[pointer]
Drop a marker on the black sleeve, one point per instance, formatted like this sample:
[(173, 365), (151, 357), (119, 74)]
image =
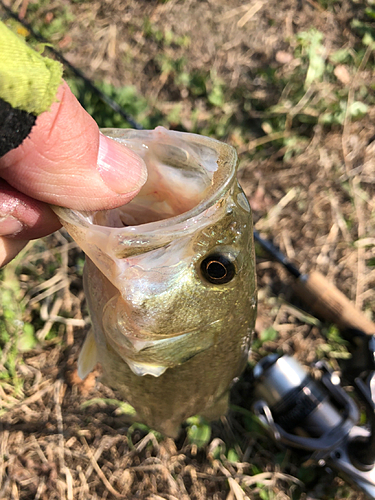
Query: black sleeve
[(15, 126)]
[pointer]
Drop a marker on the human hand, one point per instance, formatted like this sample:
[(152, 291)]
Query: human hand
[(65, 161)]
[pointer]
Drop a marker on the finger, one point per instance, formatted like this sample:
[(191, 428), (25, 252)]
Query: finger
[(21, 219), (66, 162), (9, 248)]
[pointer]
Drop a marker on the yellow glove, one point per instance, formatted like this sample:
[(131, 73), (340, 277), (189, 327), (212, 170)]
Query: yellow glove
[(28, 87)]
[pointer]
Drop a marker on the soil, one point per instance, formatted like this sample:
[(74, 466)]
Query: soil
[(317, 205)]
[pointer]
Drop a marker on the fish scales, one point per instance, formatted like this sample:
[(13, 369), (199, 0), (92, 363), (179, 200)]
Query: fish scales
[(170, 280)]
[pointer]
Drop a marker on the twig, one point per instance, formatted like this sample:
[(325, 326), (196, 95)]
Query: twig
[(23, 9), (295, 110), (361, 266), (162, 468), (235, 488), (316, 5), (40, 490), (44, 314), (70, 321), (233, 12), (15, 495), (58, 395), (275, 211), (48, 283), (330, 244), (37, 395), (41, 255), (39, 450), (62, 284), (365, 242), (249, 14), (84, 488), (98, 470), (96, 457), (143, 442), (340, 221), (69, 483), (268, 138), (288, 244), (268, 476), (58, 389), (3, 450)]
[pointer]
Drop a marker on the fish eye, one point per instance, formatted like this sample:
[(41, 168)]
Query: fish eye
[(218, 268)]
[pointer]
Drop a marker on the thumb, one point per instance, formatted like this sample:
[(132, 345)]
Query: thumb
[(66, 161)]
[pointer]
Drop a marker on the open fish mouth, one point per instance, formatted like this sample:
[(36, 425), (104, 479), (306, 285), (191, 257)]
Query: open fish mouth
[(184, 179)]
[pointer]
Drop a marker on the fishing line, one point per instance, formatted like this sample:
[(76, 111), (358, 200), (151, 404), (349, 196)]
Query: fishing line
[(104, 97)]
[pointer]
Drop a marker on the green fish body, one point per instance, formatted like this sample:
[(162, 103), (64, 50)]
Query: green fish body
[(170, 280)]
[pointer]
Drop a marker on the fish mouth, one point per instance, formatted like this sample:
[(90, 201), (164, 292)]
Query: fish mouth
[(190, 180), (153, 369), (160, 209), (141, 342)]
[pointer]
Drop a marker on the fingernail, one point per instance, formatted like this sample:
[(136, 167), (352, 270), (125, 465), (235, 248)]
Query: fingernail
[(120, 168), (10, 226)]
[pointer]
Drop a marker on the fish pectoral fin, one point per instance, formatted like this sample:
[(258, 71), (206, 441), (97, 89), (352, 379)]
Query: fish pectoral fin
[(88, 356), (142, 369)]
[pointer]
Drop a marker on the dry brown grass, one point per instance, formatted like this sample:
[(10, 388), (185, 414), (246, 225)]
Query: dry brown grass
[(318, 205)]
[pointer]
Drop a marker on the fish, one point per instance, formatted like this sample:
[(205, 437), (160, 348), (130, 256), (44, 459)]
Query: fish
[(170, 280)]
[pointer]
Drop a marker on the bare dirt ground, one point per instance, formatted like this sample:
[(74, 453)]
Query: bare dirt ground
[(314, 195)]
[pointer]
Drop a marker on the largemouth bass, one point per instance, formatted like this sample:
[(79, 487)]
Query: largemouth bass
[(170, 280)]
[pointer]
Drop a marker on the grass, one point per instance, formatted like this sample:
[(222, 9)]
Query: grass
[(17, 335), (288, 118)]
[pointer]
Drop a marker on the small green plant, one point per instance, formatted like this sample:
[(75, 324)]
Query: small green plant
[(267, 335), (198, 431), (126, 97), (164, 37), (55, 22), (336, 346), (16, 334), (123, 408), (312, 49)]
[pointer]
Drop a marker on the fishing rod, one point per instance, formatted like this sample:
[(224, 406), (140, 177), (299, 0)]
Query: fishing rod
[(326, 300)]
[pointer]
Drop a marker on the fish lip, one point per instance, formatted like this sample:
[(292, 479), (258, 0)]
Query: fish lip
[(147, 340)]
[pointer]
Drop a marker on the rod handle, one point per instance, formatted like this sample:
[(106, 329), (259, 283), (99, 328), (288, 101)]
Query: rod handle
[(330, 304)]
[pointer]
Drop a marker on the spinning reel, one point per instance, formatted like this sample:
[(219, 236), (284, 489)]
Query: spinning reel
[(318, 416)]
